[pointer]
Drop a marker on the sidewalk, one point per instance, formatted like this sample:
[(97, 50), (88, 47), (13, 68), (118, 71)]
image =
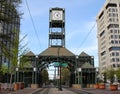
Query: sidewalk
[(101, 91), (23, 91)]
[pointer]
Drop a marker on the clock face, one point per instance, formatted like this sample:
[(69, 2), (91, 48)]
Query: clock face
[(57, 15)]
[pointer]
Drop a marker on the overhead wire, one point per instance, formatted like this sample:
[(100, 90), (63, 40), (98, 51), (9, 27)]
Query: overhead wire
[(33, 22), (87, 35)]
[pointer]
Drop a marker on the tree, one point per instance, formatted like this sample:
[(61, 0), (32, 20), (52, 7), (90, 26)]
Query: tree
[(65, 75), (45, 76), (110, 75), (118, 73)]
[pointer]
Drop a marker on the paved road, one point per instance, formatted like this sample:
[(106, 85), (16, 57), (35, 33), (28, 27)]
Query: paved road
[(53, 90), (64, 91)]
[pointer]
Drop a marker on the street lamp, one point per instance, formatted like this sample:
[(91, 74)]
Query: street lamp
[(34, 69), (60, 87), (75, 69), (96, 80), (80, 70), (17, 74)]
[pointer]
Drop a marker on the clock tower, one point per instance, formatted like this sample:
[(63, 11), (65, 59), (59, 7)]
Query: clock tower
[(57, 27)]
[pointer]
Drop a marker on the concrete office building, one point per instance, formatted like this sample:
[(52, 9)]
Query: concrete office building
[(108, 33)]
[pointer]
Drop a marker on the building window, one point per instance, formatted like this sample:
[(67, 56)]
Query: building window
[(111, 36), (116, 42), (113, 65), (117, 54), (102, 33), (114, 48), (103, 53), (113, 54), (112, 42), (113, 10), (115, 36), (115, 31), (111, 31), (117, 60), (113, 59), (113, 26)]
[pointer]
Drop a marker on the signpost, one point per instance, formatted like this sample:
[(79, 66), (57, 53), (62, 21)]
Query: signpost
[(60, 64)]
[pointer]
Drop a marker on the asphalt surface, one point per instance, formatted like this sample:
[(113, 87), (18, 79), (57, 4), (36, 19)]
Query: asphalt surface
[(53, 90)]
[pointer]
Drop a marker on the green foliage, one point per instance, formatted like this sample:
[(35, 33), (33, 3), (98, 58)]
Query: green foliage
[(65, 75), (4, 69), (110, 73), (45, 76), (118, 73)]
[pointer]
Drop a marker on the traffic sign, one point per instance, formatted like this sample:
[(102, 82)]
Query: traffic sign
[(58, 64), (64, 65)]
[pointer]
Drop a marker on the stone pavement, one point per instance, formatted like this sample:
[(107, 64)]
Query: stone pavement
[(23, 91)]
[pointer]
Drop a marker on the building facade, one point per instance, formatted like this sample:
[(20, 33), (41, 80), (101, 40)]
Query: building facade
[(108, 33), (9, 29)]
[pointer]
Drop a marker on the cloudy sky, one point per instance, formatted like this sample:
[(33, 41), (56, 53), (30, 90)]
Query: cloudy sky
[(81, 30)]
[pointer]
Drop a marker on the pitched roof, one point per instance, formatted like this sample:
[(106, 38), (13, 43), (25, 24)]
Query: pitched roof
[(30, 53), (87, 65), (83, 54), (54, 51)]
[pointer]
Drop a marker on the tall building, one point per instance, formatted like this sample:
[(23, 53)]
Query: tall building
[(9, 28), (108, 33)]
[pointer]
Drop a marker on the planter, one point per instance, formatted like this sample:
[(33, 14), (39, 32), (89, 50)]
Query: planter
[(113, 87), (101, 86), (16, 86), (96, 86), (22, 85), (34, 86), (91, 85), (76, 85), (88, 85)]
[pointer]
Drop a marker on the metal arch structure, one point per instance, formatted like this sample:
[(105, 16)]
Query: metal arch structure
[(58, 54), (44, 62)]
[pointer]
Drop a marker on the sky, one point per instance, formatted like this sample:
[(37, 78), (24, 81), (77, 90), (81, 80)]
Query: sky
[(80, 29)]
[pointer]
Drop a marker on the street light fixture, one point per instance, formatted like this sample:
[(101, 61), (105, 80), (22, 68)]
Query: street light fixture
[(60, 86), (17, 69), (36, 69), (96, 80), (80, 70), (76, 69)]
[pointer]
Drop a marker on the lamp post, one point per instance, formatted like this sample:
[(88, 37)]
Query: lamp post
[(60, 87), (23, 76), (75, 76), (96, 81), (76, 69), (34, 69), (17, 74), (80, 70)]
